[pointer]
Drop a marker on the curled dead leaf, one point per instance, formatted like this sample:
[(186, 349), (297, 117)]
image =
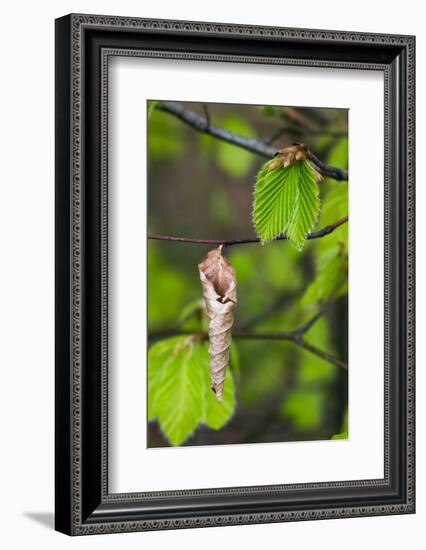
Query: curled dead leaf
[(220, 294)]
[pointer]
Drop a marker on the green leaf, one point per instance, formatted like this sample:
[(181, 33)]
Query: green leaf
[(179, 393), (306, 207), (158, 356), (218, 414), (286, 201), (176, 387), (275, 196)]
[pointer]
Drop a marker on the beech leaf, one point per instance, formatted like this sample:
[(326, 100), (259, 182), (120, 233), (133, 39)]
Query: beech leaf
[(219, 285), (179, 394), (176, 386), (286, 197)]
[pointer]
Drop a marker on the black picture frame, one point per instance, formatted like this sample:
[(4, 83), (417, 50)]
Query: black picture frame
[(83, 45)]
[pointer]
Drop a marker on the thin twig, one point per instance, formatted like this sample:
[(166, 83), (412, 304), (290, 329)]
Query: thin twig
[(296, 336), (233, 242), (310, 323), (246, 335), (293, 337), (320, 353), (328, 171), (250, 144)]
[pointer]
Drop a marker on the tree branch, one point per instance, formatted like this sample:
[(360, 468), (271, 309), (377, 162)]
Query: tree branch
[(294, 337), (318, 234), (310, 323), (329, 171), (297, 336), (320, 353), (203, 125)]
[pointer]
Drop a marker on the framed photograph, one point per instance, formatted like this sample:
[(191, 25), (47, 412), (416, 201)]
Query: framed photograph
[(234, 274)]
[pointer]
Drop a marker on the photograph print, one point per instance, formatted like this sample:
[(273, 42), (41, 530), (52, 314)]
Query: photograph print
[(247, 274)]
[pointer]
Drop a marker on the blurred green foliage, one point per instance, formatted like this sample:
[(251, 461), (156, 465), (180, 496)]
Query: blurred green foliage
[(165, 134), (232, 160), (203, 188)]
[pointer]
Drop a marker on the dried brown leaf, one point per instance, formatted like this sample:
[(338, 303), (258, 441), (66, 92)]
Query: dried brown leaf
[(220, 294)]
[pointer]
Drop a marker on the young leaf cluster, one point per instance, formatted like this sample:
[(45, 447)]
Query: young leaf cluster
[(286, 201)]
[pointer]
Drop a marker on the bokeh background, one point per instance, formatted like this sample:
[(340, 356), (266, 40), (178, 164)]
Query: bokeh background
[(201, 187)]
